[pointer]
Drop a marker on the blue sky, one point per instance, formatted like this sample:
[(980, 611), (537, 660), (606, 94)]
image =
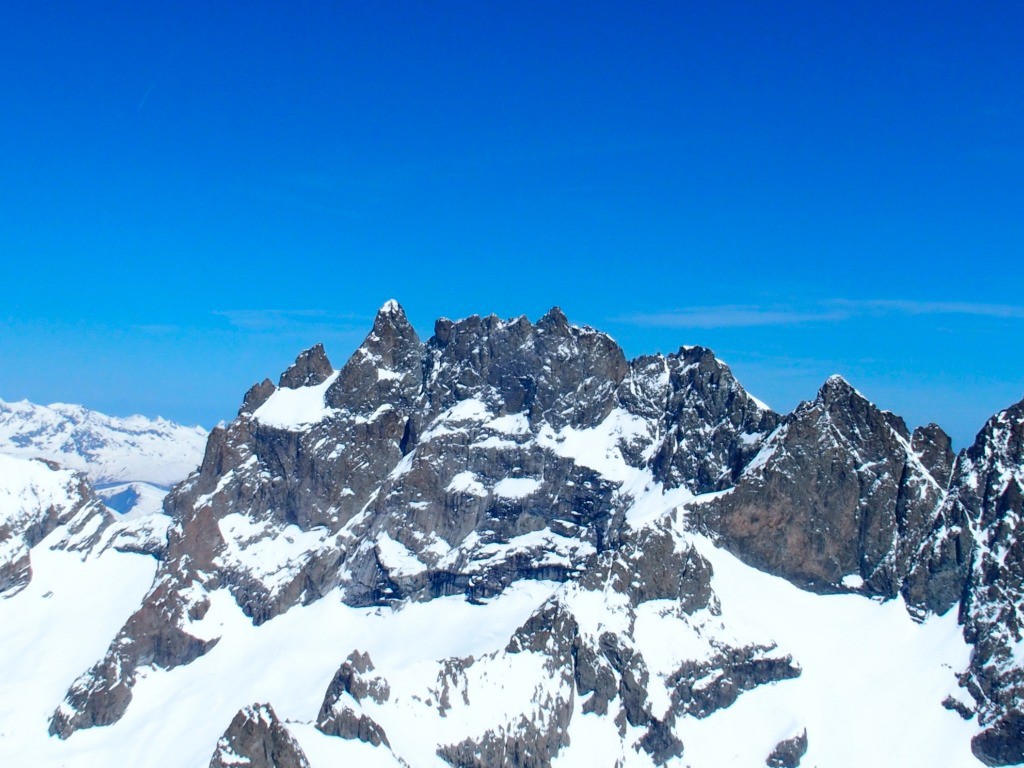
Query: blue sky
[(194, 192)]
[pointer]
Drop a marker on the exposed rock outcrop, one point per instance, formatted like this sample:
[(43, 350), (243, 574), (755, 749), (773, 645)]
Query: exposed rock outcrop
[(788, 752), (500, 452), (341, 712), (836, 500), (256, 738)]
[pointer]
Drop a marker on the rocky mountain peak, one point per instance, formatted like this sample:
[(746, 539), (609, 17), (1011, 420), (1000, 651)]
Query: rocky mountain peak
[(392, 320), (836, 499), (1002, 437), (310, 368), (257, 738), (507, 458), (554, 319), (837, 389), (393, 342), (257, 395), (935, 449), (391, 307)]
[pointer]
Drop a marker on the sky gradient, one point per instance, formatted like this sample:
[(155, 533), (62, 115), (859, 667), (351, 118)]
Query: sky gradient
[(195, 192)]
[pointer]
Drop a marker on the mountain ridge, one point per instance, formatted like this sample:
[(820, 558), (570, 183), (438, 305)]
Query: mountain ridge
[(109, 449), (621, 505)]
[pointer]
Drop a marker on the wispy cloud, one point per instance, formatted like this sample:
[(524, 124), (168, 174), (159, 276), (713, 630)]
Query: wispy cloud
[(731, 316), (291, 320), (834, 310), (911, 307)]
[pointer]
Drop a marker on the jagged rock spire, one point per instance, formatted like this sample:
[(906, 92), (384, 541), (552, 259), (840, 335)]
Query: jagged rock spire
[(258, 738), (310, 368), (257, 395)]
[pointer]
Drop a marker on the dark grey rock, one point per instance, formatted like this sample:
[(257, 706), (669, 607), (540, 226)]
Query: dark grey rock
[(702, 688), (834, 493), (341, 712), (935, 450), (258, 739), (789, 752), (1002, 743), (309, 369), (346, 723), (661, 742), (15, 564), (987, 493), (711, 427), (257, 395)]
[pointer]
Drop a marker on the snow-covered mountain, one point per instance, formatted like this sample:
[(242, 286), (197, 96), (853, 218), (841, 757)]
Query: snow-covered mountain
[(510, 546), (108, 449), (131, 462)]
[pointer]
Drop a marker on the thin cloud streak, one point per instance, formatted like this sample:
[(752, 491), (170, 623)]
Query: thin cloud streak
[(836, 310), (910, 307), (729, 316), (286, 320)]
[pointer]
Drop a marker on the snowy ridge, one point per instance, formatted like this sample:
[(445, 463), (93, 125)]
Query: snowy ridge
[(106, 448), (491, 674), (509, 546)]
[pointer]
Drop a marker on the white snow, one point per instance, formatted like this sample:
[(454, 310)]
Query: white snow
[(510, 424), (293, 409), (397, 558), (598, 447), (107, 448), (272, 555), (516, 487), (872, 684), (58, 626), (852, 581), (29, 488), (288, 661), (466, 482), (759, 403), (552, 549), (324, 751)]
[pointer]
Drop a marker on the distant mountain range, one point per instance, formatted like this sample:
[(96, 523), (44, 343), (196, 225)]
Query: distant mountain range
[(131, 462), (510, 546)]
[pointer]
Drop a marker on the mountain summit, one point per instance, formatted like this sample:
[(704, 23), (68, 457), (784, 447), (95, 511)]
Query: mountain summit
[(508, 545)]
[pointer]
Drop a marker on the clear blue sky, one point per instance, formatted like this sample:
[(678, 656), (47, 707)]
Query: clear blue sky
[(194, 192)]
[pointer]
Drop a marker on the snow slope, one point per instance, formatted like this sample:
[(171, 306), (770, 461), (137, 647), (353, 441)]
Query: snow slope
[(865, 666), (422, 560)]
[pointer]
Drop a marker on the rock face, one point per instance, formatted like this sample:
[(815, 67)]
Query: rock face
[(500, 455), (988, 494), (341, 715), (258, 739), (310, 369), (454, 466), (836, 500), (585, 642), (36, 498), (788, 752)]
